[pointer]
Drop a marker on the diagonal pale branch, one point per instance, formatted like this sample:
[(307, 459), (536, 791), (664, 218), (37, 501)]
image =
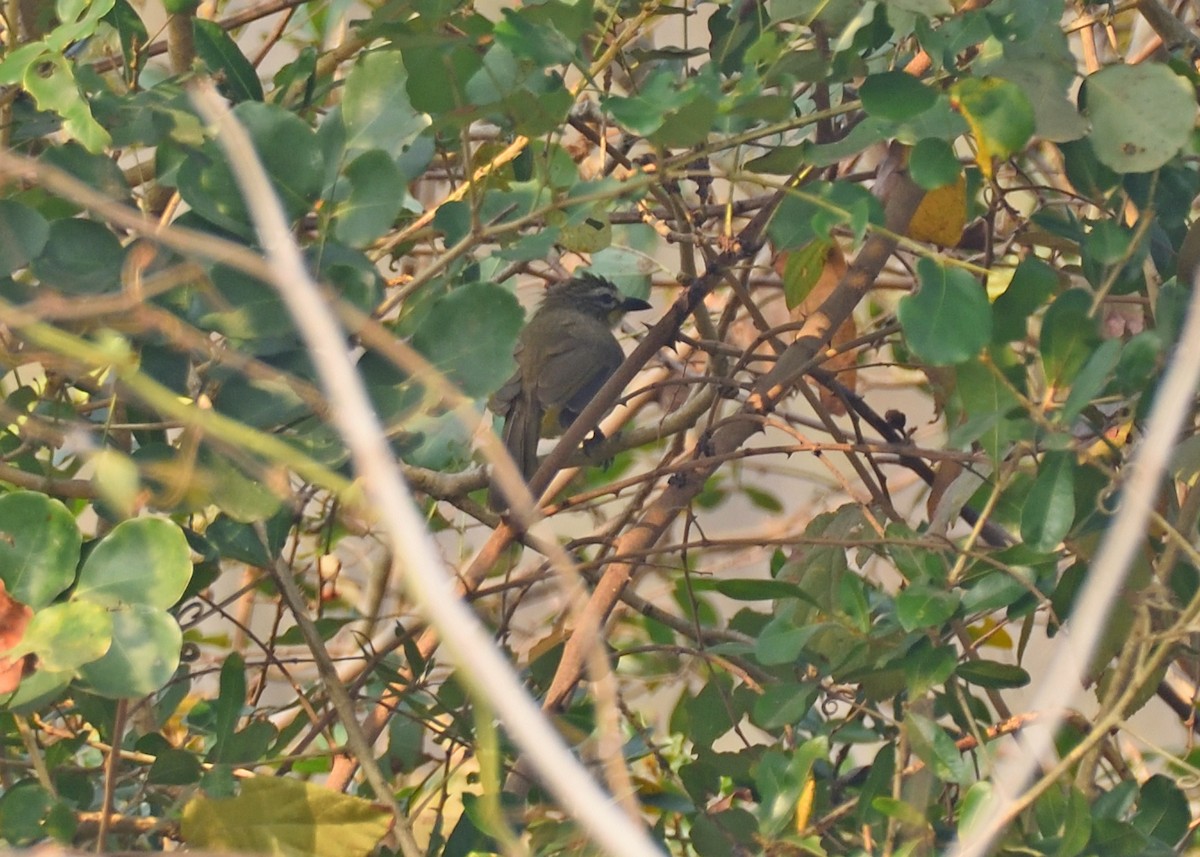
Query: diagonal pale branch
[(1063, 680), (481, 665)]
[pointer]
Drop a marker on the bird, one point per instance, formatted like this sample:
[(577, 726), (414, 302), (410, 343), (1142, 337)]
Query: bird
[(564, 355)]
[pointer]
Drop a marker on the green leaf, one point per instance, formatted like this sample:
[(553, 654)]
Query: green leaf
[(779, 161), (1069, 336), (406, 743), (222, 55), (878, 781), (784, 704), (23, 807), (377, 193), (764, 500), (1032, 283), (1000, 116), (539, 108), (780, 778), (241, 542), (52, 84), (1139, 360), (248, 745), (81, 257), (849, 204), (1163, 810), (130, 29), (241, 497), (928, 8), (975, 803), (23, 234), (927, 667), (375, 107), (1116, 802), (1065, 817), (1038, 59), (1091, 380), (534, 40), (354, 277), (802, 271), (1122, 839), (39, 690), (949, 319), (1141, 115), (1049, 509), (231, 696), (18, 60), (66, 636), (671, 111), (1087, 175), (173, 767), (936, 749), (39, 547), (903, 812), (895, 95), (921, 606), (1107, 244), (1045, 80), (916, 562), (791, 226), (933, 164), (500, 75), (469, 334), (688, 125), (143, 561), (144, 654), (326, 627), (289, 152), (992, 674), (117, 481), (782, 641), (248, 311), (78, 19), (438, 71), (744, 589), (990, 405)]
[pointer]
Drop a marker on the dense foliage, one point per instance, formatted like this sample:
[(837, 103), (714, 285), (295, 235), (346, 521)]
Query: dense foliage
[(919, 268)]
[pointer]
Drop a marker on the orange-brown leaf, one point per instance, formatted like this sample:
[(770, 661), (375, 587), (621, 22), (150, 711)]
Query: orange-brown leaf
[(14, 618)]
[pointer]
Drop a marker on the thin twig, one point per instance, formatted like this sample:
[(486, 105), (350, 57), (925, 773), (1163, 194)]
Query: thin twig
[(110, 775)]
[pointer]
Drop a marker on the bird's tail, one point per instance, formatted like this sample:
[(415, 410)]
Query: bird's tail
[(522, 429)]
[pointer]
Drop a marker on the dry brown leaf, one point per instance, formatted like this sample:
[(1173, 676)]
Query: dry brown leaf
[(945, 472)]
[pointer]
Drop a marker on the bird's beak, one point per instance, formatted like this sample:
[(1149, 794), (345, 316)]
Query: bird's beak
[(633, 305)]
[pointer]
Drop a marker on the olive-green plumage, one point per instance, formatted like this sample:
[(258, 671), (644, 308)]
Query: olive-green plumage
[(564, 355)]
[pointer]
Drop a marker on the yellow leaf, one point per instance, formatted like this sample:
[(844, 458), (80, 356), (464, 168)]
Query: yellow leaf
[(996, 636), (285, 817), (804, 803), (942, 214)]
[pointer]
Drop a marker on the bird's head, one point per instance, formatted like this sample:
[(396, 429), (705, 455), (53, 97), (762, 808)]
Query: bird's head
[(593, 295)]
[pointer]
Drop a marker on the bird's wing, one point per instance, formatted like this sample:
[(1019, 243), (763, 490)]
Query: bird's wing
[(502, 400), (583, 357)]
